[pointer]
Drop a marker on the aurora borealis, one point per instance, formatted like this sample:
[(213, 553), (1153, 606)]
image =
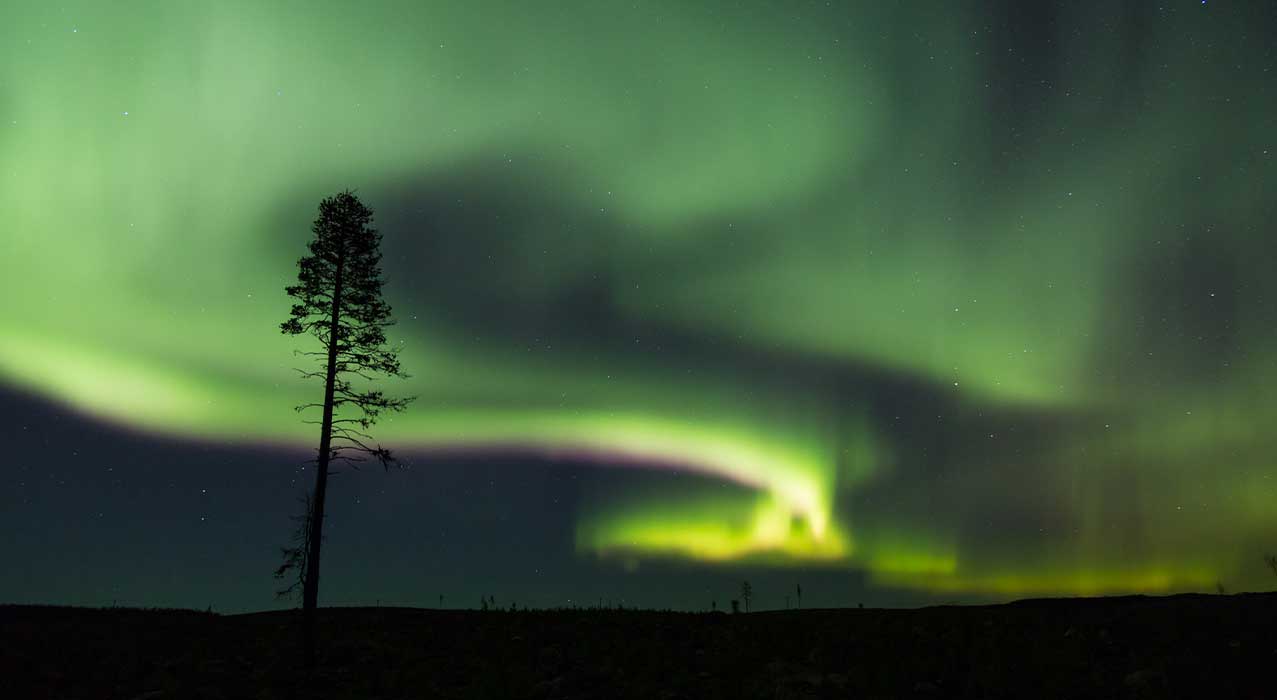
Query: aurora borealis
[(967, 299)]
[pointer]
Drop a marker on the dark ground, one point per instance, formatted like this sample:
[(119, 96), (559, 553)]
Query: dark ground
[(1179, 646)]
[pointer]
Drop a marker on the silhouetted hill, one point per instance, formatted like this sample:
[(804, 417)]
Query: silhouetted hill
[(1128, 647)]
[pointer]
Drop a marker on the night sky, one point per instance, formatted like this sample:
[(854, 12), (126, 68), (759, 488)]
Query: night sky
[(904, 302)]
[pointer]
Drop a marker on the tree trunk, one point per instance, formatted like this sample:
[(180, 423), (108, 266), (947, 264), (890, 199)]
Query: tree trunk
[(310, 588)]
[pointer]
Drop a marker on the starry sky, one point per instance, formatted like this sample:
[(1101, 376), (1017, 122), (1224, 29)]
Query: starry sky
[(904, 302)]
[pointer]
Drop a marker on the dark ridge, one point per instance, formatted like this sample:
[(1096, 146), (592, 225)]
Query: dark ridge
[(1118, 647)]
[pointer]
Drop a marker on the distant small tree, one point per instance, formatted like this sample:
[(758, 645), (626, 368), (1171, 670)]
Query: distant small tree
[(1271, 561), (746, 594), (338, 301), (735, 606), (800, 595), (295, 555), (1219, 588)]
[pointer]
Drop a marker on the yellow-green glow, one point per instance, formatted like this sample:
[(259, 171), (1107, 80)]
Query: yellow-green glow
[(1071, 581), (716, 529)]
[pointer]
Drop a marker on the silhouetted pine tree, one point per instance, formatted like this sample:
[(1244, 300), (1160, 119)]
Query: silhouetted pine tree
[(338, 295)]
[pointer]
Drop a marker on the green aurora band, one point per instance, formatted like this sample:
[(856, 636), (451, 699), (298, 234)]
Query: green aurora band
[(1069, 260)]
